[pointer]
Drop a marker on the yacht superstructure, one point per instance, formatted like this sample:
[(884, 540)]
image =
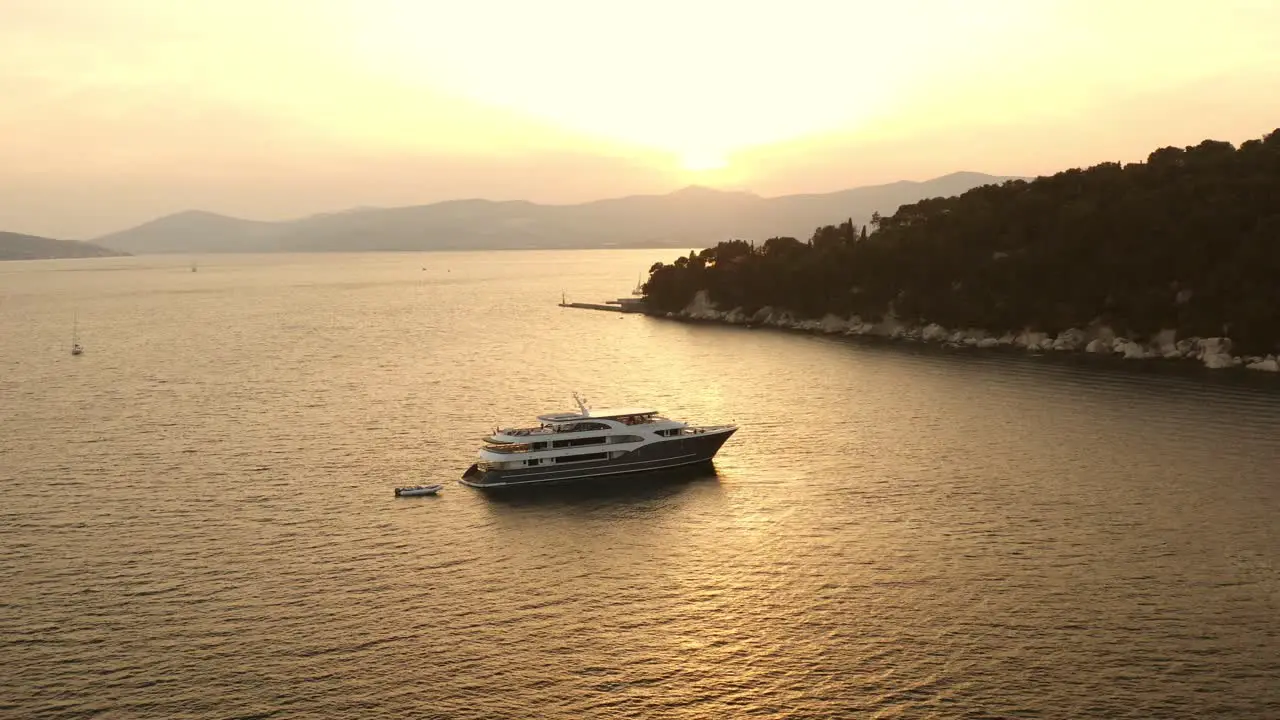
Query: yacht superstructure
[(592, 443)]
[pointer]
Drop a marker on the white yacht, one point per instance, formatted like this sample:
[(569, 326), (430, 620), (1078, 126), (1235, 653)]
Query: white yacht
[(592, 443)]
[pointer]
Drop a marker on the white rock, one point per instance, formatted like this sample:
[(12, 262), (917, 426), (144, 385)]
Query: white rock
[(859, 328), (1215, 353), (933, 332), (1071, 339), (1217, 360), (887, 328), (1187, 347), (1165, 342), (1267, 364), (1030, 340), (1133, 351), (1215, 346), (832, 324), (1007, 339), (701, 308), (1098, 345), (988, 342)]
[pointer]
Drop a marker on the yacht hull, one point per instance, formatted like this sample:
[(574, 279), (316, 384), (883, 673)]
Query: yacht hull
[(667, 454)]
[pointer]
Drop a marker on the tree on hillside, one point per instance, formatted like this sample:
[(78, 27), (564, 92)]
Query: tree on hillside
[(1188, 240)]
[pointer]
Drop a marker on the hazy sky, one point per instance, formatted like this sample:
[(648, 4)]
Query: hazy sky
[(113, 112)]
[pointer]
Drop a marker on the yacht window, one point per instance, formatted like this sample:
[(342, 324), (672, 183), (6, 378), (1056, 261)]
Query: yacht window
[(582, 458), (575, 442)]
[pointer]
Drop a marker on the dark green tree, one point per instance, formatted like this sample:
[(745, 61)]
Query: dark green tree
[(1188, 240)]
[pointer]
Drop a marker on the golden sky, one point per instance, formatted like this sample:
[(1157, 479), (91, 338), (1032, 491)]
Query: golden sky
[(113, 112)]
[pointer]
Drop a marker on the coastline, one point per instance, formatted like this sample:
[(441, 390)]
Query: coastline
[(1100, 342)]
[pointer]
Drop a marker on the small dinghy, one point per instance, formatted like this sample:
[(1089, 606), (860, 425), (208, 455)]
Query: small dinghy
[(418, 490)]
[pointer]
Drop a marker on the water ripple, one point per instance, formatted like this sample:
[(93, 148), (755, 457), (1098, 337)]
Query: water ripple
[(199, 519)]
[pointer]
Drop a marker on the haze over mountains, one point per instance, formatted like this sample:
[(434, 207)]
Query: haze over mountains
[(692, 217), (16, 246)]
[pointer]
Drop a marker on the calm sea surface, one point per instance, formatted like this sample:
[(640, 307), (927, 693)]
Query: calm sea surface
[(198, 519)]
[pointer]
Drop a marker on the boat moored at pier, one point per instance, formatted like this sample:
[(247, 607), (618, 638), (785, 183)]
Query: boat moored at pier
[(568, 447)]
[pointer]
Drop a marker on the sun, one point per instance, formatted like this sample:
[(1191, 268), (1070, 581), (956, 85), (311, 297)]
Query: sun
[(702, 161)]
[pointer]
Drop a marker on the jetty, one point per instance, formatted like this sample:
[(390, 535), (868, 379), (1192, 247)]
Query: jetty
[(621, 305)]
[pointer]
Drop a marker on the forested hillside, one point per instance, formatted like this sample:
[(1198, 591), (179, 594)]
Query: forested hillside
[(1188, 240)]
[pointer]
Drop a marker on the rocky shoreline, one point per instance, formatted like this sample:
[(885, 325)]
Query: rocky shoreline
[(1214, 353)]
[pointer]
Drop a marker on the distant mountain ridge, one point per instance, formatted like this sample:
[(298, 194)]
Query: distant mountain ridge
[(193, 230), (16, 246), (691, 217)]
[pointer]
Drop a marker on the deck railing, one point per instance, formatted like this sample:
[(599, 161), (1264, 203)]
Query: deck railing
[(549, 430), (528, 432), (513, 448)]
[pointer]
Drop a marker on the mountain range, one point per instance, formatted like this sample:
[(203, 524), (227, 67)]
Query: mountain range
[(14, 246), (691, 217)]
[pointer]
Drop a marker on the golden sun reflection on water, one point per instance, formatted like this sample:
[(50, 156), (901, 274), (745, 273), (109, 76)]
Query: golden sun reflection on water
[(891, 531)]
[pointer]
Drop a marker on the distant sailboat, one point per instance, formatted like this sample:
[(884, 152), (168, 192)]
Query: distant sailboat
[(76, 348), (639, 289), (193, 266)]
